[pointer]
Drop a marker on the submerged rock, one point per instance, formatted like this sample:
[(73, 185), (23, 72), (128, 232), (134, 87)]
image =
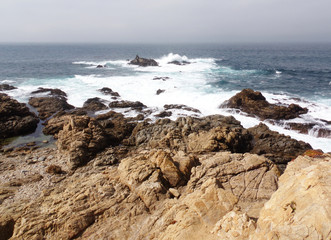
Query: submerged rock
[(180, 63), (15, 118), (255, 103), (182, 107), (109, 91), (143, 62)]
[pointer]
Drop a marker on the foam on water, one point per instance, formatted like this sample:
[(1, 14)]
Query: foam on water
[(186, 84)]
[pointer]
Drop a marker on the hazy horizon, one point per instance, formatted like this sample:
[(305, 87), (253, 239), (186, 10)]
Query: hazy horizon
[(163, 22)]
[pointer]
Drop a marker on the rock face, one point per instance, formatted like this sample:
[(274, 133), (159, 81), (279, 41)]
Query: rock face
[(94, 104), (143, 62), (15, 118), (6, 87), (47, 106), (255, 103), (277, 147), (301, 207)]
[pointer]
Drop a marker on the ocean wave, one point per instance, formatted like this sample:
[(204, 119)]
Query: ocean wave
[(7, 81)]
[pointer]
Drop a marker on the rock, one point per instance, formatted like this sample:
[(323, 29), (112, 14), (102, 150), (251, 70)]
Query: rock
[(54, 169), (47, 106), (127, 104), (180, 63), (94, 104), (143, 62), (54, 92), (174, 192), (81, 138), (301, 207), (277, 147), (163, 114), (108, 91), (15, 118), (159, 91), (100, 66), (182, 107), (6, 227), (305, 128), (161, 78), (254, 103), (6, 87)]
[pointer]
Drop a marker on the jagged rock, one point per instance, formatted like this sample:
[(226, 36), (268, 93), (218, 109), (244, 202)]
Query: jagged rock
[(6, 87), (15, 118), (159, 91), (81, 138), (100, 66), (164, 114), (212, 133), (108, 91), (54, 92), (182, 107), (255, 103), (94, 104), (127, 104), (250, 177), (47, 106), (277, 147), (301, 207), (143, 62)]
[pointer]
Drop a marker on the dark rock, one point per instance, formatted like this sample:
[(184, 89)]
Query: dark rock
[(54, 169), (100, 66), (182, 107), (6, 87), (47, 106), (94, 104), (159, 91), (304, 128), (127, 104), (254, 103), (143, 62), (55, 92), (164, 114), (179, 63), (275, 146), (108, 91), (161, 78), (15, 118)]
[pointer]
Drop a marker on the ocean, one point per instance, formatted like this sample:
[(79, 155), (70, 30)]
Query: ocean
[(284, 73)]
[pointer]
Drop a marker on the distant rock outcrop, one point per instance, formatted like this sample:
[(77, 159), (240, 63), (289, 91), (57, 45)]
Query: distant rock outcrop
[(255, 103), (143, 62), (6, 87), (15, 118)]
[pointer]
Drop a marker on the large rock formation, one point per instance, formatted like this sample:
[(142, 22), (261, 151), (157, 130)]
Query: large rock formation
[(254, 103), (301, 207), (15, 118), (143, 62)]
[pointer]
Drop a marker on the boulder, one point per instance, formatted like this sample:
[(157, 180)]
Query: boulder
[(143, 62), (163, 114), (6, 87), (127, 104), (277, 147), (181, 107), (47, 106), (109, 91), (254, 103), (94, 104), (54, 92), (301, 207), (15, 118), (159, 91)]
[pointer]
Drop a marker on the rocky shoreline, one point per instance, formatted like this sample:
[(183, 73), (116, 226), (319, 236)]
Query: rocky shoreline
[(116, 177)]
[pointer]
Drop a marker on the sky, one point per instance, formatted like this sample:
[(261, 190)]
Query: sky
[(165, 21)]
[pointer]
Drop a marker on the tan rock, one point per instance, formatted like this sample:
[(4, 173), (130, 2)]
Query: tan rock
[(301, 207)]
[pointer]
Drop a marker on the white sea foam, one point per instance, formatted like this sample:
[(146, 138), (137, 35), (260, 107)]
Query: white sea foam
[(186, 84), (7, 81)]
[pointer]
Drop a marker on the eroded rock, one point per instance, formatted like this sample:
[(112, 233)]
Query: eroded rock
[(143, 62)]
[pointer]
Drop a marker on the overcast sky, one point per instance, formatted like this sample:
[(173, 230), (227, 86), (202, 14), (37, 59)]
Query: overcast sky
[(165, 21)]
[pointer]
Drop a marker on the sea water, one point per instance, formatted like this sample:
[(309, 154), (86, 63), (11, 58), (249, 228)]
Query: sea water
[(284, 73)]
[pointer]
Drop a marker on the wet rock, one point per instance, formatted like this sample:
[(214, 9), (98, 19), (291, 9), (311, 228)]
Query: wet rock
[(159, 91), (305, 128), (55, 92), (182, 107), (161, 78), (94, 104), (164, 114), (300, 208), (6, 87), (109, 91), (100, 66), (47, 106), (143, 62), (277, 147), (254, 103), (15, 118), (180, 63), (127, 104)]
